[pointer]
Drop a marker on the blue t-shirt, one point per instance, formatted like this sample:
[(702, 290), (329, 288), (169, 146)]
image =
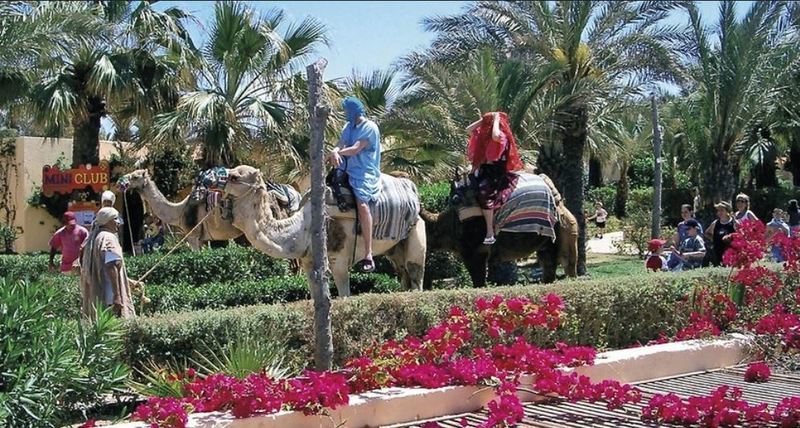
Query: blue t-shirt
[(364, 168), (692, 244)]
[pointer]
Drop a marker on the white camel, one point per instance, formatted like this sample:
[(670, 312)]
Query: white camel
[(290, 238), (180, 215)]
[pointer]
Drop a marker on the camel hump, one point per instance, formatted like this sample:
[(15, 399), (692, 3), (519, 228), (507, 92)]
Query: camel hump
[(553, 189)]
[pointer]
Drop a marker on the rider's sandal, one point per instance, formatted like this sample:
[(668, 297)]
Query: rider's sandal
[(366, 266), (489, 241)]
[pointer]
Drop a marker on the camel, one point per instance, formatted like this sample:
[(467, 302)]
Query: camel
[(290, 238), (180, 215), (446, 231)]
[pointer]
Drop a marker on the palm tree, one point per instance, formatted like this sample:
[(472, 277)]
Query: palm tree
[(633, 137), (245, 86), (735, 83), (439, 100), (607, 49), (79, 86)]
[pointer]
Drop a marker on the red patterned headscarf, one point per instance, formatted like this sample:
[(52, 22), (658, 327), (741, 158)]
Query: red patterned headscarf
[(481, 138)]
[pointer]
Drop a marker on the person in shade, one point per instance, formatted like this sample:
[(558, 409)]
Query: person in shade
[(793, 210), (720, 230), (68, 240), (104, 280), (692, 249), (743, 209), (493, 154), (777, 226), (358, 153)]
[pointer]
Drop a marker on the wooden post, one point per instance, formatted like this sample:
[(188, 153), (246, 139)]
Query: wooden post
[(318, 281), (655, 231)]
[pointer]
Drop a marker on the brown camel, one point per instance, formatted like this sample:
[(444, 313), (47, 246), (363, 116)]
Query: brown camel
[(447, 232)]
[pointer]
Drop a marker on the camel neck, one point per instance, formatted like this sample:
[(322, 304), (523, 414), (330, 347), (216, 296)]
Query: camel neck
[(284, 238), (168, 212)]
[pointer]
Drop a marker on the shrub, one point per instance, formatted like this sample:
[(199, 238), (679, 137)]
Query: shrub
[(208, 265), (50, 364), (605, 313), (232, 263), (434, 197), (187, 297)]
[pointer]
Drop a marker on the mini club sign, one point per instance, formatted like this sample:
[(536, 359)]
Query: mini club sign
[(56, 180)]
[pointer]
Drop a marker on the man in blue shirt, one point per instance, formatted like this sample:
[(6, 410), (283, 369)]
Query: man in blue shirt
[(359, 154)]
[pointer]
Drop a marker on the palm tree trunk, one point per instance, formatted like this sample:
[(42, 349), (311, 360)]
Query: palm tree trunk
[(722, 180), (318, 281), (623, 189), (572, 185), (793, 165), (86, 134)]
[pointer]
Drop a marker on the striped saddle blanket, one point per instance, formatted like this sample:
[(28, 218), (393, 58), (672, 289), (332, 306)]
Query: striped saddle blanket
[(394, 213), (531, 208)]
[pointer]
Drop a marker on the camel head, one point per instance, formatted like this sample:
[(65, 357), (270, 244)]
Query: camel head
[(135, 180), (441, 229), (235, 182)]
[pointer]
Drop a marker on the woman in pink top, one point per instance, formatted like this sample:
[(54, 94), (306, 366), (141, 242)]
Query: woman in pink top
[(68, 239)]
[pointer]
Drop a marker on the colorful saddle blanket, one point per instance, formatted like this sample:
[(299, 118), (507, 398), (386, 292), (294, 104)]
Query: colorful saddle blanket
[(394, 213), (531, 208)]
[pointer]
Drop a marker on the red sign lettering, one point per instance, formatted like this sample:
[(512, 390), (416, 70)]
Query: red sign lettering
[(55, 180)]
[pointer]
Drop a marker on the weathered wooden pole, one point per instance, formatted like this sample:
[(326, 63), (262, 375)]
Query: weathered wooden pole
[(318, 279), (655, 231)]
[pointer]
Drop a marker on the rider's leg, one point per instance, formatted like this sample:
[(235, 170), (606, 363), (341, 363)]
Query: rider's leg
[(488, 216), (365, 218)]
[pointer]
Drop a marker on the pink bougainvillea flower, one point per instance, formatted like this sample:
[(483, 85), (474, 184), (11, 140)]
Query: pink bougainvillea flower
[(757, 372)]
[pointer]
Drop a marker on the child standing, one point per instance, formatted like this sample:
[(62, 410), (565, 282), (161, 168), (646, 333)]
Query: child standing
[(600, 216)]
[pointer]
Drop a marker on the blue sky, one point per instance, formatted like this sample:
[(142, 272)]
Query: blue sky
[(369, 35)]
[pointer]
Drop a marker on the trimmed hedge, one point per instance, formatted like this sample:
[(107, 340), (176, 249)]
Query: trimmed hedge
[(188, 297), (189, 267), (603, 313)]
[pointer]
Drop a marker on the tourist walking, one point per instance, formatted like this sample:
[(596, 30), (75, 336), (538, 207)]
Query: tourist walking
[(104, 280), (600, 216), (493, 154), (68, 240), (720, 230)]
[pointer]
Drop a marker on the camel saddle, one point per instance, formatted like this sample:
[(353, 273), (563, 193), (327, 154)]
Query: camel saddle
[(531, 207)]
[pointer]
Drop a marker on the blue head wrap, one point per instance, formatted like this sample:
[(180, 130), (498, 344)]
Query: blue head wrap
[(353, 108)]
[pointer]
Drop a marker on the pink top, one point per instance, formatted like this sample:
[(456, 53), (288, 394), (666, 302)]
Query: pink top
[(69, 242)]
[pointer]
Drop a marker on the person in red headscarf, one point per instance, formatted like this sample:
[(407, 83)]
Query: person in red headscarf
[(493, 154)]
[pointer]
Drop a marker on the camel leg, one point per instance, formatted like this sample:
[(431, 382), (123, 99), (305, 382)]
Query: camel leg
[(340, 270), (397, 256), (476, 266), (548, 258), (415, 249)]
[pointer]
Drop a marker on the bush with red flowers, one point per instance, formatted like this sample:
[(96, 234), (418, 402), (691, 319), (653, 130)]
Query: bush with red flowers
[(757, 372)]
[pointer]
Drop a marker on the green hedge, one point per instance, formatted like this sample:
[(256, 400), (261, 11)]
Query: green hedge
[(189, 267), (188, 297), (603, 313)]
